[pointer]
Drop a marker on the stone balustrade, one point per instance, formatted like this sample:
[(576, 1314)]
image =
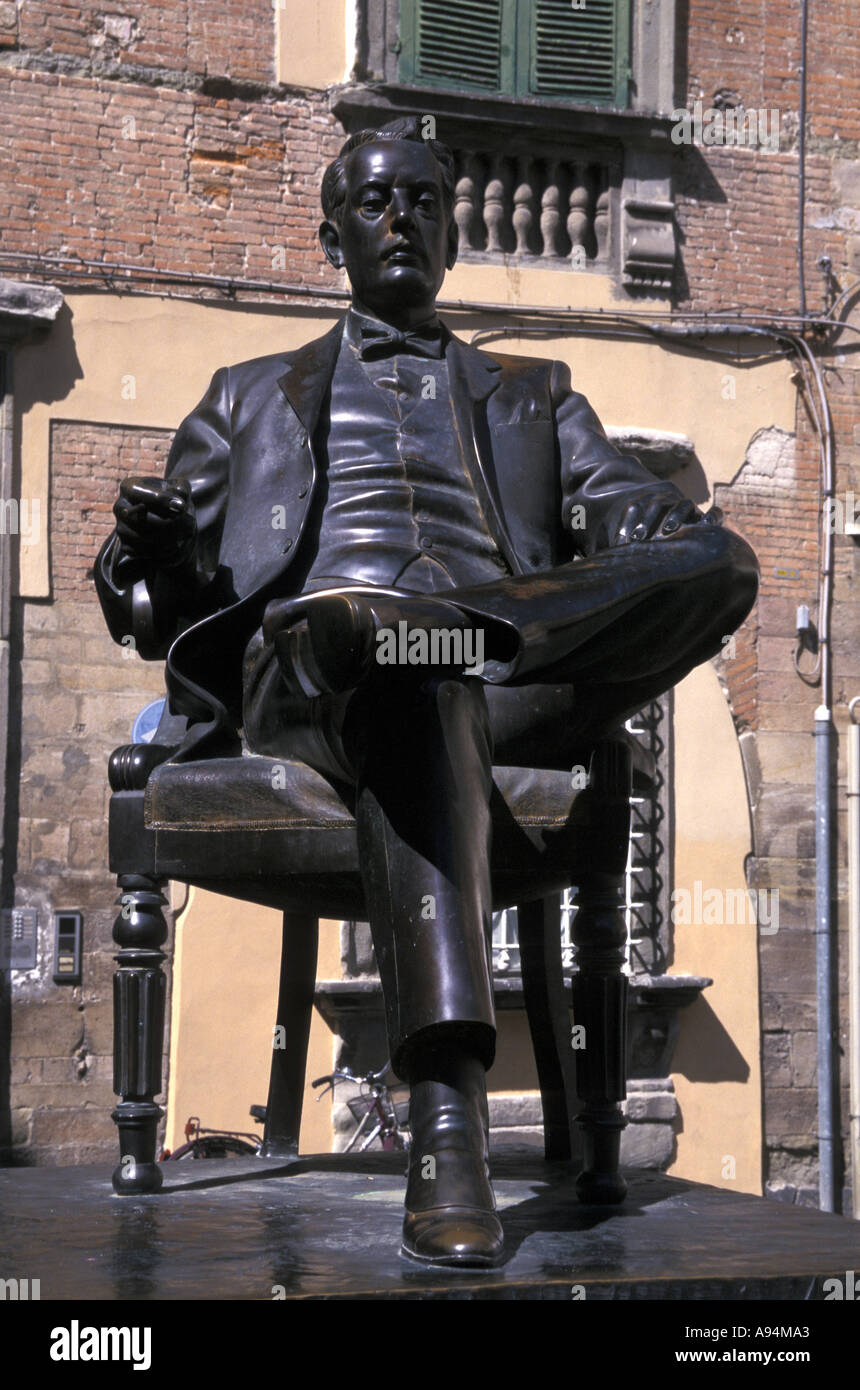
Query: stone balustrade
[(550, 211)]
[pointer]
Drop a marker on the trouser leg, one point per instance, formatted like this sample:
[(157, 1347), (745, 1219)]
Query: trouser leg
[(644, 611), (424, 763), (601, 638), (424, 776)]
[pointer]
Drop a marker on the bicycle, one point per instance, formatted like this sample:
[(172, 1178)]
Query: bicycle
[(380, 1117), (217, 1143)]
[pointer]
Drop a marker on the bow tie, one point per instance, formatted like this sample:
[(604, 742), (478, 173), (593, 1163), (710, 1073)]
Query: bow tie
[(423, 341)]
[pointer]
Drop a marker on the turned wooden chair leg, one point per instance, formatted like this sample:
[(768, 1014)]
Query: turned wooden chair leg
[(549, 1021), (290, 1037), (600, 986), (140, 931)]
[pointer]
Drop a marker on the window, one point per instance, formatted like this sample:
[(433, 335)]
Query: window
[(524, 48), (647, 886)]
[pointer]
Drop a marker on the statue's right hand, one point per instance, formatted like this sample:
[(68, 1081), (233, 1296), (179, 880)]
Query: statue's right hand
[(155, 520)]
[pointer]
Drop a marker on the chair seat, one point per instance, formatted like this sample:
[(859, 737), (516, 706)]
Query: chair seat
[(276, 831), (261, 793)]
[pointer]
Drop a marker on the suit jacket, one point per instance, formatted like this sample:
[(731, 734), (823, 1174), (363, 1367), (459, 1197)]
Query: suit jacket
[(550, 483)]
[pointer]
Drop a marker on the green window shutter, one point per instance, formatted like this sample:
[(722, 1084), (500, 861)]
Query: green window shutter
[(578, 55), (467, 44), (542, 48)]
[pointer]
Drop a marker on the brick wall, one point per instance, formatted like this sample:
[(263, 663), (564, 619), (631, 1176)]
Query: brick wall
[(172, 179), (79, 695), (230, 38)]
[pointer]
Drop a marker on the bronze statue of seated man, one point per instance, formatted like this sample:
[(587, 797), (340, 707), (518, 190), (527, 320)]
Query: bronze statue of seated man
[(401, 559)]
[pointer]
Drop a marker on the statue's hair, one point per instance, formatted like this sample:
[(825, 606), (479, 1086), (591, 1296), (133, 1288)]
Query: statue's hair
[(406, 128)]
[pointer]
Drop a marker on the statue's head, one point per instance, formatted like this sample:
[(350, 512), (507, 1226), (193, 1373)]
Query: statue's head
[(388, 201)]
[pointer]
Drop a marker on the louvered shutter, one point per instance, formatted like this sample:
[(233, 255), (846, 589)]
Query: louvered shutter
[(542, 48), (578, 54), (458, 43)]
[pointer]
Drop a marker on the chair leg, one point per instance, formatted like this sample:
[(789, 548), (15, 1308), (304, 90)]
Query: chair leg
[(290, 1039), (548, 1016), (140, 931), (600, 986)]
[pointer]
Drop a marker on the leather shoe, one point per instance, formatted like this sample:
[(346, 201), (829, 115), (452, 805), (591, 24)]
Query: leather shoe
[(450, 1208), (452, 1236), (333, 647)]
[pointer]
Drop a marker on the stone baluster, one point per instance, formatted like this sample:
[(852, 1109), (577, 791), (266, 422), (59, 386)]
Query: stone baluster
[(601, 221), (577, 218), (464, 202), (494, 206), (550, 217), (524, 209)]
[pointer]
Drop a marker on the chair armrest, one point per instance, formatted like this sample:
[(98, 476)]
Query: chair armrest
[(130, 766)]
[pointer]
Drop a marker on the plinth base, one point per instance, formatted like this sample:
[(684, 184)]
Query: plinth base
[(329, 1228)]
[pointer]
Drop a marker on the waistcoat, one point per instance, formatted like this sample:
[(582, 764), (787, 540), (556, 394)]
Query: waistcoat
[(400, 508)]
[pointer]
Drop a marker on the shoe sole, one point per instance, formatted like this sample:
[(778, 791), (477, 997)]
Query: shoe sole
[(468, 1262)]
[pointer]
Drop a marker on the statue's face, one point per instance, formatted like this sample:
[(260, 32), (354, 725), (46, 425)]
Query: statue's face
[(395, 238)]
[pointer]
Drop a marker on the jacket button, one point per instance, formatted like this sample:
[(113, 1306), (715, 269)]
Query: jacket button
[(303, 440), (288, 545), (303, 491)]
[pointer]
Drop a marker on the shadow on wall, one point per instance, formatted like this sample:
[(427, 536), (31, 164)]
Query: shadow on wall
[(46, 371), (705, 1051)]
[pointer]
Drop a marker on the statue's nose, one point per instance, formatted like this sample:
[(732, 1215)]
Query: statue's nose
[(401, 210)]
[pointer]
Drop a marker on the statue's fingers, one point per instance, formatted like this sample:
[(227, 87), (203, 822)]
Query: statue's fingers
[(630, 520), (682, 514), (649, 519), (178, 487), (128, 512), (136, 488)]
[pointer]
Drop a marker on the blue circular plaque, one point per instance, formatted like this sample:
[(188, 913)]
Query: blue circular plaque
[(144, 727)]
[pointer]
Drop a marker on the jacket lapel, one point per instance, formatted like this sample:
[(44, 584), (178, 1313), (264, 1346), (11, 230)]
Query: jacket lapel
[(308, 377), (473, 377)]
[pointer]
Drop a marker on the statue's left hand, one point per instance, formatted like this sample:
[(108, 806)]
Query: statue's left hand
[(652, 518)]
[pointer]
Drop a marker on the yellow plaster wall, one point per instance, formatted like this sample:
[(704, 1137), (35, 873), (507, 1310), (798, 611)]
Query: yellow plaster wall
[(224, 997), (717, 1060), (315, 42), (634, 383)]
